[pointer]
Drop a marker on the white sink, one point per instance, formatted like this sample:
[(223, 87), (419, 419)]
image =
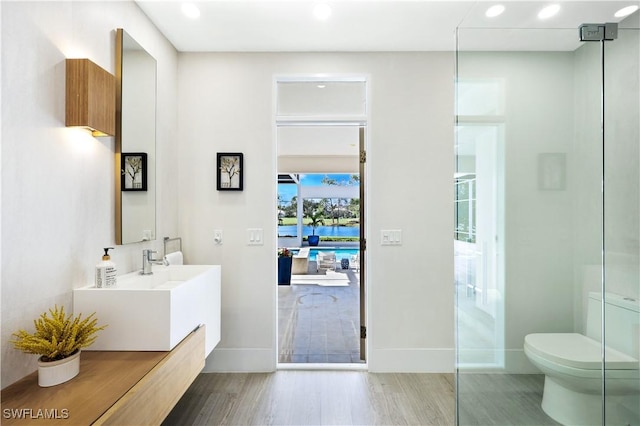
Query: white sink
[(154, 312)]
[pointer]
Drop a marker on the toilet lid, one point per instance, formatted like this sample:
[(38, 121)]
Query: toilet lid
[(576, 350)]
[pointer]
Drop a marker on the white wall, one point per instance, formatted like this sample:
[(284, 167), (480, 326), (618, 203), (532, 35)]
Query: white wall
[(554, 238), (622, 169), (622, 205), (587, 173), (537, 254), (226, 104), (538, 273), (58, 183), (1, 133)]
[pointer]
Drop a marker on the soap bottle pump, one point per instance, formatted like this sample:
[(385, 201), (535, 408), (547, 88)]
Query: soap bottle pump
[(106, 271)]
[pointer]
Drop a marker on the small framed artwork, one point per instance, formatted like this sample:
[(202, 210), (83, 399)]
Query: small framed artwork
[(134, 171), (230, 170)]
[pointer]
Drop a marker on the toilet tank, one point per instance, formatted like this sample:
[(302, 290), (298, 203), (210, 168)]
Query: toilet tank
[(622, 322)]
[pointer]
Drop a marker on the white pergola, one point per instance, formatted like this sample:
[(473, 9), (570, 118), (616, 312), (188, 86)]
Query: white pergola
[(325, 191)]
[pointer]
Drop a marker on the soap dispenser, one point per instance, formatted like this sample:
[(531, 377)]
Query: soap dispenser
[(106, 271)]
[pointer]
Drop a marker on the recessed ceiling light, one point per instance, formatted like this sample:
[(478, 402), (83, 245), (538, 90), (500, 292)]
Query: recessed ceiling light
[(494, 11), (322, 11), (190, 10), (321, 85), (549, 11), (626, 11)]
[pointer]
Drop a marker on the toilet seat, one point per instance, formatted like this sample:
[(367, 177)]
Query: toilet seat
[(576, 351)]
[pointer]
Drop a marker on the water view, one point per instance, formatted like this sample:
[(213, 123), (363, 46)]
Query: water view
[(323, 231), (341, 253)]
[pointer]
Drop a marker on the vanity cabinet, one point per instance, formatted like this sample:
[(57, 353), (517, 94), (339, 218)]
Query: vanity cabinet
[(113, 388)]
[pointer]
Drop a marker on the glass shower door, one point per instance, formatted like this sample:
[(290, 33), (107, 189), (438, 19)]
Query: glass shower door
[(621, 224), (529, 134), (566, 220)]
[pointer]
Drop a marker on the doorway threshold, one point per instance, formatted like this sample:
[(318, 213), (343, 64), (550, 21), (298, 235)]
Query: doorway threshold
[(322, 366)]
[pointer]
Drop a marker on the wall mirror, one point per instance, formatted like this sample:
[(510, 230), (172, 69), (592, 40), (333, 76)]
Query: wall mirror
[(135, 161)]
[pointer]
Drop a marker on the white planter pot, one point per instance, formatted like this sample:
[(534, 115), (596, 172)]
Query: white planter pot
[(56, 372)]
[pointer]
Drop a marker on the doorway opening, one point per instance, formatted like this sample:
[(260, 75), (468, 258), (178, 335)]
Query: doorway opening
[(320, 136), (478, 240)]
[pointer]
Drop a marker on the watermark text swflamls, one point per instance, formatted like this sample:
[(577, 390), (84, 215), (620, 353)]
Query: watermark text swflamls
[(35, 414)]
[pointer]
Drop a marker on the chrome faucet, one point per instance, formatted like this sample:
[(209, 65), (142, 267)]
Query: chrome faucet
[(148, 261)]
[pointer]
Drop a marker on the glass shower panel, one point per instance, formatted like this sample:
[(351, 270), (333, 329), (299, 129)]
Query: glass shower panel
[(622, 225), (528, 210), (477, 243)]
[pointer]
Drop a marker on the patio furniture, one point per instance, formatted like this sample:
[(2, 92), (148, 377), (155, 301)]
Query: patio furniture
[(300, 262), (326, 260), (344, 263), (354, 261)]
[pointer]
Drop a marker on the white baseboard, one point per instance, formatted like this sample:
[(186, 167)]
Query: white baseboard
[(240, 360), (411, 360), (516, 362), (379, 361)]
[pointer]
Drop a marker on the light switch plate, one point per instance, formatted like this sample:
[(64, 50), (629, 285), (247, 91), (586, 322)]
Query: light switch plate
[(391, 237), (217, 236), (255, 237)]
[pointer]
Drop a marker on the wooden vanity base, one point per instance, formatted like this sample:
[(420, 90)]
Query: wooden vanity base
[(115, 388)]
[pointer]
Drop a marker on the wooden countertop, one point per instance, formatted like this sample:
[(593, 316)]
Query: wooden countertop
[(104, 378)]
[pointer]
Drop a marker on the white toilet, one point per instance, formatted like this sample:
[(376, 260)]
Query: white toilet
[(572, 364)]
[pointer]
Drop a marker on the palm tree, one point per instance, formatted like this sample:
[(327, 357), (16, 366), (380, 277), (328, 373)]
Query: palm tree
[(316, 218)]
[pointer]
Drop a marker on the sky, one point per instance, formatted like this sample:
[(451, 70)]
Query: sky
[(287, 191)]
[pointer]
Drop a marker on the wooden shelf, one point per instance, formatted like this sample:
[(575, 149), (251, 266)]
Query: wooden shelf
[(112, 388)]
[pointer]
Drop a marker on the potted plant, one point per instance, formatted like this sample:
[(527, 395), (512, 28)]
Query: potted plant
[(58, 340), (316, 218), (284, 266)]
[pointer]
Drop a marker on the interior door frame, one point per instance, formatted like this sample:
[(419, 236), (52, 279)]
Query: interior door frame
[(362, 138), (363, 122)]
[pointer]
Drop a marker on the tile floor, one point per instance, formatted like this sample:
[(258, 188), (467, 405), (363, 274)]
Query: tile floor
[(319, 324)]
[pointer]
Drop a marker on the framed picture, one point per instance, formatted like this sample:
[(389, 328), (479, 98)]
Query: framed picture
[(230, 170), (134, 171)]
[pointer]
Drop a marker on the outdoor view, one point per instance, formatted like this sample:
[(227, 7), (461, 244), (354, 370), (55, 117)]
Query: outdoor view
[(333, 219), (319, 287)]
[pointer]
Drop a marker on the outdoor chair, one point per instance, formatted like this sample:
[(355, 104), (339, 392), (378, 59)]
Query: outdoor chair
[(354, 261), (326, 260)]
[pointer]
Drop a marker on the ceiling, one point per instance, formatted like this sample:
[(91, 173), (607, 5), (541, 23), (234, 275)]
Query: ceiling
[(374, 26), (370, 25)]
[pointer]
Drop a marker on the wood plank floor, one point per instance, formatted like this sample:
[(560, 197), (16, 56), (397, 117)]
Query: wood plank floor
[(291, 397), (501, 399)]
